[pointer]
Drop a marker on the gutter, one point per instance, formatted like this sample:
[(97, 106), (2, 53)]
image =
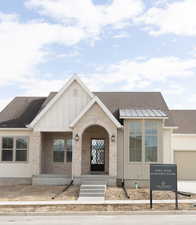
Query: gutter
[(16, 129)]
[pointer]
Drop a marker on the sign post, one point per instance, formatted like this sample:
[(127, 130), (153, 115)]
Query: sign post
[(163, 177)]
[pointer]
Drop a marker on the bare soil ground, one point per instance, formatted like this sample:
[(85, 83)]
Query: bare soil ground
[(44, 193), (117, 193), (37, 193)]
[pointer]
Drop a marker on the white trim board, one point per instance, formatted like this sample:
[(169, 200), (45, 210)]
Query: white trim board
[(57, 96), (185, 135), (182, 150), (172, 128), (16, 129), (103, 107), (143, 118)]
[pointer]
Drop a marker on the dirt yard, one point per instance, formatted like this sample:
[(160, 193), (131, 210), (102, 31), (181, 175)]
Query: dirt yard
[(44, 193), (39, 193), (117, 193)]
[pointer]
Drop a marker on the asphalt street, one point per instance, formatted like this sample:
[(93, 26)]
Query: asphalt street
[(100, 220)]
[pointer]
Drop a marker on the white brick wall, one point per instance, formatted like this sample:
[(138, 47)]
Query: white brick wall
[(95, 116)]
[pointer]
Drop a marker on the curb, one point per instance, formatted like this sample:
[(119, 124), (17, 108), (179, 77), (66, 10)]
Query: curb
[(88, 202), (103, 213)]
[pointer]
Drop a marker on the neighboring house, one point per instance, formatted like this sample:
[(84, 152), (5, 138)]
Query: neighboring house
[(76, 133)]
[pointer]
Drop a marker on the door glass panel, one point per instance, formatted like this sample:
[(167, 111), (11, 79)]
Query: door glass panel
[(97, 154)]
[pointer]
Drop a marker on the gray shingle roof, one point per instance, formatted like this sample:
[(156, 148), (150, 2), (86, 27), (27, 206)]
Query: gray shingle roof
[(185, 120), (22, 110)]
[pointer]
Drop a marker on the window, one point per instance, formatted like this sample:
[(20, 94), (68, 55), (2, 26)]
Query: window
[(21, 149), (58, 150), (135, 141), (143, 140), (69, 150), (151, 141), (7, 148), (14, 149)]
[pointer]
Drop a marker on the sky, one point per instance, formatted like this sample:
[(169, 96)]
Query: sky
[(113, 45)]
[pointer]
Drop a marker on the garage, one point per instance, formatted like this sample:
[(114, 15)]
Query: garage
[(186, 163)]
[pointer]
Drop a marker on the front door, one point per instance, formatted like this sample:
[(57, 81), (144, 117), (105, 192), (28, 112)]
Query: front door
[(97, 155)]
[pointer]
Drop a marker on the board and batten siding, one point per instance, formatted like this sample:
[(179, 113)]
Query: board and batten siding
[(17, 169), (64, 110)]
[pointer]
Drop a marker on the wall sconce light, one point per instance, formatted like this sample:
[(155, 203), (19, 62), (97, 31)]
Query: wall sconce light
[(77, 137), (113, 138)]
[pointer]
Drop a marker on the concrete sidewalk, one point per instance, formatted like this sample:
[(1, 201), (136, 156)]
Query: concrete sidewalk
[(187, 186), (75, 202), (153, 219)]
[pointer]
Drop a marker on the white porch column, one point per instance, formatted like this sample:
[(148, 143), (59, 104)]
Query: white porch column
[(76, 161), (35, 149)]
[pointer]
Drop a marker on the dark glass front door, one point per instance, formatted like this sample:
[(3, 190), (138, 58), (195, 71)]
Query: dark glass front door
[(97, 155)]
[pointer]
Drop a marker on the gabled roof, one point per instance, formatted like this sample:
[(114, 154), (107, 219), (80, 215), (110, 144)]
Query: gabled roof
[(13, 114), (20, 112), (103, 107), (49, 104)]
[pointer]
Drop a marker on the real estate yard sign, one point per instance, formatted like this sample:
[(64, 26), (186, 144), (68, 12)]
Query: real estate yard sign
[(163, 177)]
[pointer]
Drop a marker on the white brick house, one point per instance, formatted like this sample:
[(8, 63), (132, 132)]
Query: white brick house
[(76, 133)]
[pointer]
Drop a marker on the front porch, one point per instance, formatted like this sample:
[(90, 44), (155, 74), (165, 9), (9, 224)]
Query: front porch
[(59, 179), (58, 157)]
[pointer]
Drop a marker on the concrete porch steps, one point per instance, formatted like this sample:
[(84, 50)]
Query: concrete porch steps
[(94, 179), (92, 192), (50, 179), (93, 188)]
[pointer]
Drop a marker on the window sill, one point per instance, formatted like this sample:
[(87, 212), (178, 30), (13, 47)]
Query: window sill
[(11, 162), (142, 163)]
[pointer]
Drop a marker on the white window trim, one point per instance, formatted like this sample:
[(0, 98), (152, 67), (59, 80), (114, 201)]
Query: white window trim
[(14, 148), (65, 150), (143, 145), (64, 160)]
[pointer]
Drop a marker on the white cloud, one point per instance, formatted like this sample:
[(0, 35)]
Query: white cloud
[(177, 17), (42, 87), (173, 89), (192, 98), (121, 35), (88, 16), (4, 103), (71, 54), (23, 46), (126, 75), (132, 74)]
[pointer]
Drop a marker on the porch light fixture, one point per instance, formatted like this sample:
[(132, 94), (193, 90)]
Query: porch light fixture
[(77, 137), (113, 138)]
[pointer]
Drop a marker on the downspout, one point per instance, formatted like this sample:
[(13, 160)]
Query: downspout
[(123, 179), (64, 189)]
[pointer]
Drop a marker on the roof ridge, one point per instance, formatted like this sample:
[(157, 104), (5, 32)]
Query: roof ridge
[(126, 92), (30, 97)]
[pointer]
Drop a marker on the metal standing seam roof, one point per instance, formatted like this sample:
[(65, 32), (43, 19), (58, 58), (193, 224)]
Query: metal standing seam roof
[(142, 113)]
